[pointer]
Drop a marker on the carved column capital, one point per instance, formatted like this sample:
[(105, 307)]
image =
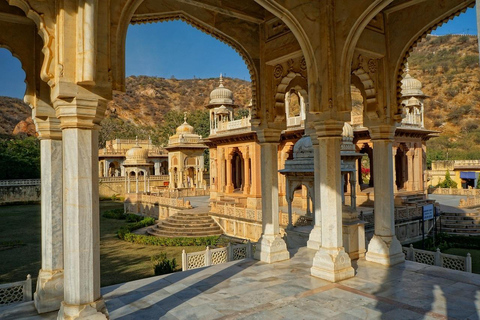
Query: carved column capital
[(80, 112), (382, 132), (269, 135)]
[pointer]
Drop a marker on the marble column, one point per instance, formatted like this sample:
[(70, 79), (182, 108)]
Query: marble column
[(315, 237), (289, 195), (417, 169), (270, 247), (246, 189), (331, 262), (394, 152), (384, 248), (82, 297), (353, 190), (49, 292), (411, 178), (229, 185)]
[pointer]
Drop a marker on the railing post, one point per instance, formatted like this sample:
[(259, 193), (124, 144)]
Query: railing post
[(411, 253), (468, 263), (27, 289), (208, 257), (184, 260), (229, 252), (249, 250), (438, 258)]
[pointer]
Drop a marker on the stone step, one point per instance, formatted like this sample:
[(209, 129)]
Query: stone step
[(461, 226), (167, 234), (171, 224), (460, 230), (187, 228)]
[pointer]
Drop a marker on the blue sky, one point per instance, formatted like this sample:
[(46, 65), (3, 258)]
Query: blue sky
[(177, 49)]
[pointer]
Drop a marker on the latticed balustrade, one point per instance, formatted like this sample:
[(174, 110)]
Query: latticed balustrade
[(211, 257), (438, 259)]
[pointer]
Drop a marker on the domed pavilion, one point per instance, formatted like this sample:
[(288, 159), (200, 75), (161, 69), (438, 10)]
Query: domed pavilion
[(137, 165)]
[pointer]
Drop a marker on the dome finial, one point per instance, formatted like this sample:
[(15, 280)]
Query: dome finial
[(136, 141), (407, 69), (185, 117), (221, 81)]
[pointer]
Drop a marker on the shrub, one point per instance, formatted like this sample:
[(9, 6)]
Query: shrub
[(448, 182), (133, 217), (114, 214), (127, 229), (170, 242), (163, 265)]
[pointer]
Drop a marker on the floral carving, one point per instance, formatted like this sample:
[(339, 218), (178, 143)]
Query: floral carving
[(278, 71)]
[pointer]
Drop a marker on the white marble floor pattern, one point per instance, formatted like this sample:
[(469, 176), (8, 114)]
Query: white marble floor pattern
[(250, 289)]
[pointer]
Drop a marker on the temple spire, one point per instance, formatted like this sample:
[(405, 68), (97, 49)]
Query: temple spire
[(221, 81), (185, 117)]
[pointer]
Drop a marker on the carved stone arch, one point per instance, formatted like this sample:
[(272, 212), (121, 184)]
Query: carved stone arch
[(47, 72), (29, 78), (296, 28), (126, 19), (292, 80), (352, 39), (362, 80), (420, 36)]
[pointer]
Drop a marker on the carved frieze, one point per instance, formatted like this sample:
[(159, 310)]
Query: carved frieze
[(275, 28)]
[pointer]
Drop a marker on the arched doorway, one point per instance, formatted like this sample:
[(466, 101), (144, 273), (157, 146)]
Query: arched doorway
[(237, 164)]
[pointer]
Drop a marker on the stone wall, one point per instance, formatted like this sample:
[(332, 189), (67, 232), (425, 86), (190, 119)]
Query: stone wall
[(116, 186), (19, 194)]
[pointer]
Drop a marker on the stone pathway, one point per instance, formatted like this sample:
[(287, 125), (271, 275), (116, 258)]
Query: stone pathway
[(249, 289)]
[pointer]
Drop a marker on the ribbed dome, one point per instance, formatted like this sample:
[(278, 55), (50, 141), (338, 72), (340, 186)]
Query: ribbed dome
[(221, 95), (185, 128), (303, 148), (411, 87), (136, 155)]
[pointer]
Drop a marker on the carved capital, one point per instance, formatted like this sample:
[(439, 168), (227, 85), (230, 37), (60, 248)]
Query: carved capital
[(329, 128), (80, 112), (382, 132), (269, 135)]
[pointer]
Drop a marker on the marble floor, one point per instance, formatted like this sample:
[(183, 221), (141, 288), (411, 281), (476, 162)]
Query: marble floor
[(249, 289)]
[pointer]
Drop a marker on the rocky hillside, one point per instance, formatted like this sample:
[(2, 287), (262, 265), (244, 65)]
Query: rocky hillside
[(447, 66), (148, 99), (12, 112)]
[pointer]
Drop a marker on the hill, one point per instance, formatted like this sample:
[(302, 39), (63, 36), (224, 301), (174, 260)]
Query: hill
[(448, 68), (151, 106)]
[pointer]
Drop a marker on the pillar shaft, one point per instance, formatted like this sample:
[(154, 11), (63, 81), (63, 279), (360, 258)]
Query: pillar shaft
[(229, 186), (271, 247), (331, 262), (49, 292), (315, 237), (246, 189), (384, 248)]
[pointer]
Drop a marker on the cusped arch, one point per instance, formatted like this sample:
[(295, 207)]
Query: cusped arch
[(420, 36), (292, 80), (362, 80), (29, 90), (46, 71), (126, 19)]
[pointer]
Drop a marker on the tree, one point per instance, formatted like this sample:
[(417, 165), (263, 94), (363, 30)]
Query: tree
[(19, 158), (448, 182)]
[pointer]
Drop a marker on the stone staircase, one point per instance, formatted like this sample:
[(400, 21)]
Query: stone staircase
[(186, 224), (461, 223)]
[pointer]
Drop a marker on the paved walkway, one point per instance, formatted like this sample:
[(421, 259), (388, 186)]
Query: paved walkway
[(249, 289)]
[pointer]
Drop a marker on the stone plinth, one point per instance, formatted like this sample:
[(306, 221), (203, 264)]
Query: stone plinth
[(271, 249)]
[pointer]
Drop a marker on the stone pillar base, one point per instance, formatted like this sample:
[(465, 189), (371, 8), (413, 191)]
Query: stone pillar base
[(385, 250), (332, 264), (354, 238), (49, 293), (96, 310), (271, 249), (315, 239)]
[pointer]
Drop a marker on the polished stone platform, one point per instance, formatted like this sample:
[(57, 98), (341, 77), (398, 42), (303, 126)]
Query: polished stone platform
[(250, 289)]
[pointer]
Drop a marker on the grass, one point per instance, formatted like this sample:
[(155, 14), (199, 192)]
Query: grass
[(463, 252), (120, 261)]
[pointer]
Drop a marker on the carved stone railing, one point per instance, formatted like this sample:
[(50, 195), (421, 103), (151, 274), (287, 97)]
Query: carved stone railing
[(19, 291), (294, 121), (455, 191), (183, 140), (211, 257), (234, 125), (156, 200), (132, 179), (20, 182), (470, 202), (185, 193), (438, 259)]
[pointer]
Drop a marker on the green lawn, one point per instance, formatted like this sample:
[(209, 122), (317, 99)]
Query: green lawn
[(475, 254), (120, 261)]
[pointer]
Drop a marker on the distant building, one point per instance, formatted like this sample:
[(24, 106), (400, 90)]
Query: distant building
[(464, 172)]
